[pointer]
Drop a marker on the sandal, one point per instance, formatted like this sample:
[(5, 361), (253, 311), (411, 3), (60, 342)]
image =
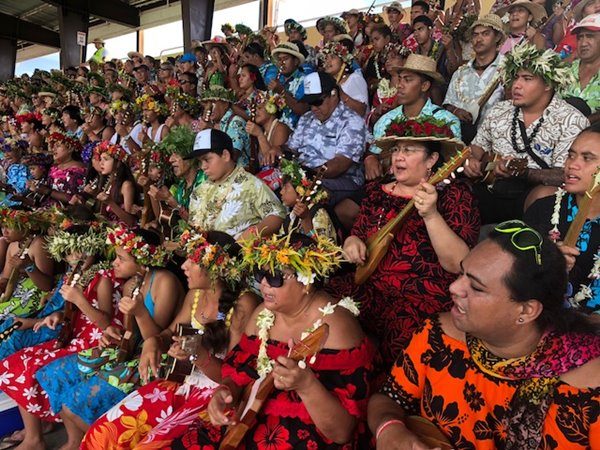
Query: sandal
[(12, 440)]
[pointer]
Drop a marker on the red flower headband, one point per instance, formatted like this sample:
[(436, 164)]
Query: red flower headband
[(115, 151), (71, 143)]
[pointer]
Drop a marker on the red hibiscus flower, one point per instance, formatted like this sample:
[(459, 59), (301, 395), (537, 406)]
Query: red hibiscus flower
[(303, 434), (272, 435), (312, 445)]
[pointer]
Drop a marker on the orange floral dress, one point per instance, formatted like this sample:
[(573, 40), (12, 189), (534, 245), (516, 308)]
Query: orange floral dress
[(436, 378)]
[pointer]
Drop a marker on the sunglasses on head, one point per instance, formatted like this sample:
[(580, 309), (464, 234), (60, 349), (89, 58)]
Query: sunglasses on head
[(522, 237), (274, 279)]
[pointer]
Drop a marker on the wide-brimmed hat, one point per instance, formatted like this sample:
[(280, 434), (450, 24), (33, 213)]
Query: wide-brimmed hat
[(422, 129), (394, 5), (98, 41), (218, 93), (578, 10), (537, 11), (352, 12), (290, 48), (591, 22), (134, 54), (423, 65), (46, 94), (291, 24), (492, 21), (217, 41), (339, 24)]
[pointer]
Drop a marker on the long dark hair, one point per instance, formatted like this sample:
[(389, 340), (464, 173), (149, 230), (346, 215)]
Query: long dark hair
[(546, 283), (216, 334), (122, 174), (257, 80)]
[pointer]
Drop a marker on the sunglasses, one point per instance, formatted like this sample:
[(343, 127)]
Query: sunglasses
[(522, 237), (274, 279)]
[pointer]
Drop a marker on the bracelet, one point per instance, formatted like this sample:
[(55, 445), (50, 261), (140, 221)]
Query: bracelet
[(386, 424), (30, 268)]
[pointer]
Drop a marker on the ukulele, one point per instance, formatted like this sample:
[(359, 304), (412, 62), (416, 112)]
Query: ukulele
[(427, 432), (309, 192), (378, 243), (256, 394), (147, 208), (168, 219), (14, 274), (253, 165), (10, 330), (127, 343), (515, 166), (177, 370), (66, 332), (583, 209)]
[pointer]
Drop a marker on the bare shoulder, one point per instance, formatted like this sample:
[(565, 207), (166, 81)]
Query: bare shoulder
[(584, 377), (344, 330), (251, 324), (247, 303)]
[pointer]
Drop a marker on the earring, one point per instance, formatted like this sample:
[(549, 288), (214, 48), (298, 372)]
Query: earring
[(521, 320)]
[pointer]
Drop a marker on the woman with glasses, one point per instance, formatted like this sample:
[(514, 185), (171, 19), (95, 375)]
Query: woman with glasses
[(218, 310), (510, 366), (410, 283), (319, 401), (554, 215)]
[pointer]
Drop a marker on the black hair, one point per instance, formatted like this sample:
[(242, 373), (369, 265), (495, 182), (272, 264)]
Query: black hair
[(546, 283), (80, 213), (424, 20), (301, 47), (258, 82), (382, 29), (593, 128), (254, 48), (422, 4), (122, 174), (193, 78), (74, 113), (216, 334)]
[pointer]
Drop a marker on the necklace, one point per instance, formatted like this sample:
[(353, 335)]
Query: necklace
[(266, 319), (484, 66), (526, 140), (554, 234)]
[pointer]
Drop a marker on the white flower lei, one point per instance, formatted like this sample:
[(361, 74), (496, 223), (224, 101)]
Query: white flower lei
[(554, 233), (266, 319), (585, 291)]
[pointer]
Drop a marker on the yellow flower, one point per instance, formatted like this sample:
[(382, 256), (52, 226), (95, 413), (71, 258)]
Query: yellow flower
[(137, 428), (283, 258)]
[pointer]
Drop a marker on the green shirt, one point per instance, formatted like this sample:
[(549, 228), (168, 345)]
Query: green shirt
[(182, 193), (591, 93)]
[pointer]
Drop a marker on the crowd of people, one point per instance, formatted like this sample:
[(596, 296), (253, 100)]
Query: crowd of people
[(388, 240)]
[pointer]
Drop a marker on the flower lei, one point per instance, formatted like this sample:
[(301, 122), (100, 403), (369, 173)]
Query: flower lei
[(23, 220), (276, 252), (266, 319), (554, 234), (337, 49), (385, 90), (145, 254), (115, 151), (148, 102), (546, 64), (62, 243), (212, 257), (424, 126), (299, 180)]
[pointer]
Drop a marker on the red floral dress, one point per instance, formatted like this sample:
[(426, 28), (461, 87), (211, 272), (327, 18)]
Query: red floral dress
[(18, 370), (69, 181), (284, 422), (409, 284)]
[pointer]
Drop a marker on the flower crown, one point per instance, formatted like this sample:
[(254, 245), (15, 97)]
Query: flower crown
[(272, 102), (180, 140), (10, 144), (144, 254), (187, 103), (63, 243), (146, 101), (227, 27), (38, 220), (425, 126), (28, 117), (300, 180), (51, 112), (211, 257), (338, 49), (546, 64), (121, 105), (217, 92), (309, 261), (115, 151), (71, 143)]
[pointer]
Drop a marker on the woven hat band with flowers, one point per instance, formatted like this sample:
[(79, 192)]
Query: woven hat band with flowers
[(319, 259), (213, 257), (70, 143), (218, 93), (337, 49), (546, 64), (421, 129), (145, 254), (115, 151)]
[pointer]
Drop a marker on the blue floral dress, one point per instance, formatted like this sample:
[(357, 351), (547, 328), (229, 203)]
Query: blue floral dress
[(91, 382), (16, 176)]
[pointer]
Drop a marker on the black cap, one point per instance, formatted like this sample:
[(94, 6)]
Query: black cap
[(211, 141), (317, 85)]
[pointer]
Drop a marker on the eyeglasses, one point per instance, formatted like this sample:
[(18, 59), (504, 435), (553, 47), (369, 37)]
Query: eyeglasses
[(523, 237), (406, 151), (274, 279)]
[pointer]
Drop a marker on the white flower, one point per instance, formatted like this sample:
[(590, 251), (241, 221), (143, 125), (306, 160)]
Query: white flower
[(306, 280), (133, 401), (114, 413), (5, 378), (164, 414), (29, 393), (95, 334), (156, 395), (327, 309), (33, 408), (350, 305)]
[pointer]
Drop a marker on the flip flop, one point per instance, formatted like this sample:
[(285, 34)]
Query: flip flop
[(10, 440)]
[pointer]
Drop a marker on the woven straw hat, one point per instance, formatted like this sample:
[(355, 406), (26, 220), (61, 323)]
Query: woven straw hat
[(290, 48), (449, 145), (578, 10), (537, 11), (424, 65), (394, 5), (492, 21)]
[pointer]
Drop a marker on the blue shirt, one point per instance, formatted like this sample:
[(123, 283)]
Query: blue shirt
[(235, 127), (294, 84), (268, 71), (430, 109), (344, 133)]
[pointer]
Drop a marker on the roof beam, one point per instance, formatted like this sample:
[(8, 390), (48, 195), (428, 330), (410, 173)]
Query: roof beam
[(110, 10), (14, 28)]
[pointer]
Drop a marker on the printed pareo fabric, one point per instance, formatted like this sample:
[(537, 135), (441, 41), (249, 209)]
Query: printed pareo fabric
[(435, 377)]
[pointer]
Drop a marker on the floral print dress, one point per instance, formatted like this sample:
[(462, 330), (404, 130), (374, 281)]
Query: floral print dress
[(284, 422), (70, 181), (18, 371)]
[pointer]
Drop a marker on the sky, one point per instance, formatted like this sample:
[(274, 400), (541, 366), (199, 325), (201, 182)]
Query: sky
[(168, 38)]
